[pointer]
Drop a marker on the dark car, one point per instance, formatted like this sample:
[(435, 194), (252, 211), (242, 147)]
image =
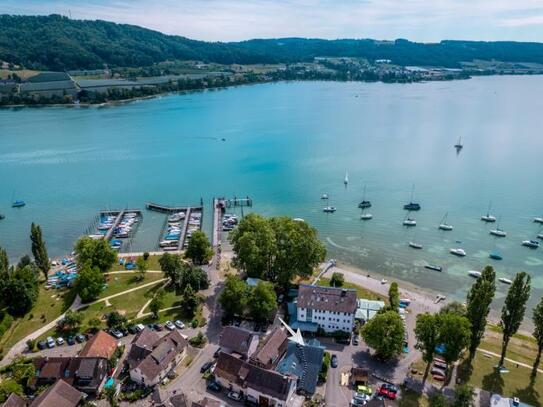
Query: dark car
[(157, 327), (42, 345), (333, 361), (70, 340), (205, 367), (151, 326), (214, 386), (124, 331), (356, 340), (80, 338), (132, 329)]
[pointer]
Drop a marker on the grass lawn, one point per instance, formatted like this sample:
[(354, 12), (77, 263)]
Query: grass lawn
[(361, 291), (152, 264), (413, 399), (516, 383), (50, 304), (117, 283), (130, 304)]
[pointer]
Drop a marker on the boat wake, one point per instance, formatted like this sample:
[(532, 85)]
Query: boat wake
[(337, 245)]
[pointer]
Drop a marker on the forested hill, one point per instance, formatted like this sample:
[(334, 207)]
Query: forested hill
[(57, 43)]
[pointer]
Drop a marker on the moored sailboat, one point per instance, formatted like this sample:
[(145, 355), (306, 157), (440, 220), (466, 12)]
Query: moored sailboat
[(443, 225)]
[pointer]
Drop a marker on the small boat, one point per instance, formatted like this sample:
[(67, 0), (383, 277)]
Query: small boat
[(366, 216), (539, 219), (534, 244), (364, 203), (415, 245), (474, 273), (18, 204), (540, 236), (346, 179), (412, 206), (434, 267), (324, 196), (444, 225), (410, 222), (298, 220), (384, 281), (459, 146), (176, 217), (329, 209), (488, 217), (495, 256), (458, 252), (505, 280), (2, 216), (498, 231)]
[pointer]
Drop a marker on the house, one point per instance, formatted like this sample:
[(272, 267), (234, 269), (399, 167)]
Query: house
[(85, 374), (367, 309), (141, 347), (238, 341), (101, 345), (272, 350), (15, 400), (261, 386), (328, 308), (359, 375), (304, 362), (499, 401), (165, 355), (59, 394)]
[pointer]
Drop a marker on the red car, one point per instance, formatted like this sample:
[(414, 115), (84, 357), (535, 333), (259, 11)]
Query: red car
[(388, 391)]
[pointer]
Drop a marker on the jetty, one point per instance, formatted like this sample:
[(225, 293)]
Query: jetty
[(164, 208), (219, 205), (119, 216), (238, 202)]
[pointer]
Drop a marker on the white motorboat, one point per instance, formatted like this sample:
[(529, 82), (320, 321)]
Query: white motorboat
[(384, 281), (410, 222), (324, 196), (474, 273), (415, 245), (298, 220), (444, 225), (505, 280), (458, 252), (498, 232), (534, 244), (539, 219), (329, 209), (366, 216), (540, 236)]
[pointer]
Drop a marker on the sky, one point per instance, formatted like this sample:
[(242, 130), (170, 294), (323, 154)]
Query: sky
[(234, 20)]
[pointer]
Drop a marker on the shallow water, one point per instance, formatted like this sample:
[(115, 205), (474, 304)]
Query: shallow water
[(286, 144)]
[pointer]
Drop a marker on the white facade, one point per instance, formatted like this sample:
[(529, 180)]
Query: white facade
[(136, 375), (330, 321)]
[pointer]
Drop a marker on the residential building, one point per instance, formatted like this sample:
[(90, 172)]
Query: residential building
[(165, 355), (85, 374), (15, 401), (329, 308), (367, 309), (59, 394), (304, 362), (261, 386), (238, 341), (272, 349), (142, 346), (101, 345)]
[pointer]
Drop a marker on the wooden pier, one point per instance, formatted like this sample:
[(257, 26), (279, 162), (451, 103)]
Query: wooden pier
[(238, 202), (119, 215), (184, 231), (164, 208), (218, 209)]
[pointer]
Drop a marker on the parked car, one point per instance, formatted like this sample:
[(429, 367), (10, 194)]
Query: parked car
[(80, 338), (334, 361), (179, 324), (364, 389), (169, 325), (70, 340), (124, 331), (157, 327), (140, 327), (116, 333), (356, 402), (387, 392), (60, 341), (50, 342), (214, 386), (205, 367), (356, 340), (234, 395), (42, 345), (132, 329)]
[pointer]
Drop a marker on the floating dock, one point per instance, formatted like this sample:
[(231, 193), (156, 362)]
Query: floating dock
[(164, 208), (119, 216), (219, 205), (235, 202)]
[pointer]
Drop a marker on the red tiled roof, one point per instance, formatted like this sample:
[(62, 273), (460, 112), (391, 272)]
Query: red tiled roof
[(101, 345)]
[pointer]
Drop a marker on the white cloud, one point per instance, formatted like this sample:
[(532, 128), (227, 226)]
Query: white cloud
[(224, 20)]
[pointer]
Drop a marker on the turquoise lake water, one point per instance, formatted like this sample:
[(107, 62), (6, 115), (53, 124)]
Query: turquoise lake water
[(286, 144)]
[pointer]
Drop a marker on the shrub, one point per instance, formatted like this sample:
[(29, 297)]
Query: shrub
[(145, 256), (198, 341), (324, 368)]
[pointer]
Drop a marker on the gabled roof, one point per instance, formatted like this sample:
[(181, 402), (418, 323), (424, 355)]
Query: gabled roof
[(272, 349), (164, 351), (304, 362), (100, 345), (327, 298), (142, 345), (246, 375), (59, 394), (236, 339), (14, 400)]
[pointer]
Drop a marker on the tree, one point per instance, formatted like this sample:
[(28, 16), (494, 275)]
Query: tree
[(116, 320), (21, 290), (95, 324), (479, 298), (337, 280), (111, 395), (157, 303), (39, 250), (199, 249), (513, 309), (537, 318), (198, 341), (427, 332), (463, 396), (394, 296), (193, 276), (233, 298), (385, 334), (262, 301), (170, 265), (94, 253), (454, 307), (454, 335), (71, 321), (437, 399), (189, 300), (141, 265), (89, 284), (9, 386)]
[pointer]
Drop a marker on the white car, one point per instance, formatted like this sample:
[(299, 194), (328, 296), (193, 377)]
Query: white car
[(50, 342), (180, 324), (140, 327), (60, 341), (169, 325), (234, 396)]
